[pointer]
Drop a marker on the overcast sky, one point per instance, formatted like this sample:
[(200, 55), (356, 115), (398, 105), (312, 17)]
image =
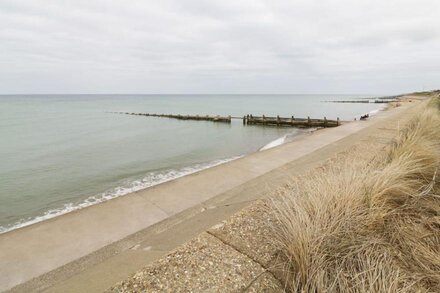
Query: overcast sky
[(223, 46)]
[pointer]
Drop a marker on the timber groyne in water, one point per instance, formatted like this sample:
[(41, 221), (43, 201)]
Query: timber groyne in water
[(216, 118), (381, 101), (289, 121), (250, 120), (370, 100)]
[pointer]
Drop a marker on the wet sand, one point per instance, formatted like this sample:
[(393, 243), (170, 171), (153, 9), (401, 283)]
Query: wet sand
[(93, 248)]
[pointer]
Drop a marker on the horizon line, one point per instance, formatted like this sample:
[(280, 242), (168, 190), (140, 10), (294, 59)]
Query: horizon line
[(186, 94)]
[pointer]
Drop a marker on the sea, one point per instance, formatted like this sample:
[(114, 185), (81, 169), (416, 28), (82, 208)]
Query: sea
[(60, 153)]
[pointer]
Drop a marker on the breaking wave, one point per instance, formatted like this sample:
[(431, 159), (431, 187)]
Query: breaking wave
[(150, 179), (274, 143)]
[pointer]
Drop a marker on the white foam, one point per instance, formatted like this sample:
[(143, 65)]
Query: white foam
[(381, 108), (151, 179), (274, 143)]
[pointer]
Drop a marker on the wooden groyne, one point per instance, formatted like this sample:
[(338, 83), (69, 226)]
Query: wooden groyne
[(379, 101), (250, 120), (373, 100), (382, 98), (216, 118), (290, 121)]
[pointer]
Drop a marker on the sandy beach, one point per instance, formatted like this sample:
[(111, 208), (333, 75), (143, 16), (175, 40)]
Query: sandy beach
[(93, 247)]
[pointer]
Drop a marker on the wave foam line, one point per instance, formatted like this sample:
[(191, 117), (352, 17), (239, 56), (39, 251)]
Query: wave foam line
[(275, 143), (151, 179), (381, 108)]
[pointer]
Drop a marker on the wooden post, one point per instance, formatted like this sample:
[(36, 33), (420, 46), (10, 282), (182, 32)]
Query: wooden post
[(337, 122), (278, 119), (325, 122), (309, 121)]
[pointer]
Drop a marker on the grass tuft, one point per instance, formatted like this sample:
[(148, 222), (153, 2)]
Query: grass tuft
[(369, 226)]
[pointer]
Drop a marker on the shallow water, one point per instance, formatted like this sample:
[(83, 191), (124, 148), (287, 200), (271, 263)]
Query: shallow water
[(59, 153)]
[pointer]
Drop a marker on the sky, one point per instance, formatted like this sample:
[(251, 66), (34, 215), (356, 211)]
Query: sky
[(227, 46)]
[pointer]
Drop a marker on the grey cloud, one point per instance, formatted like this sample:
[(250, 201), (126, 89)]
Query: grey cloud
[(336, 46)]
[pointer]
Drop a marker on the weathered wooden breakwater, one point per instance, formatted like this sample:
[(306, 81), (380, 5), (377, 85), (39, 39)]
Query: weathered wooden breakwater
[(250, 120), (290, 121), (381, 101), (216, 118)]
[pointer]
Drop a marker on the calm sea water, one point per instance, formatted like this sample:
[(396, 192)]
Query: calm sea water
[(59, 153)]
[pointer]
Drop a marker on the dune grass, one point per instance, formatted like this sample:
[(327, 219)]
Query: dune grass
[(369, 226)]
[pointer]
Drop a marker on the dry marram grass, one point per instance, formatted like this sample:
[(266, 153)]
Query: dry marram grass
[(370, 226)]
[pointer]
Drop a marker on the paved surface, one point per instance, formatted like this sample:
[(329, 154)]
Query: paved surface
[(95, 247), (246, 237), (187, 267)]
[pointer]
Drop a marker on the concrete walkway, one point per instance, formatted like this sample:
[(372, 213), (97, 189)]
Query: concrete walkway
[(97, 246), (240, 254)]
